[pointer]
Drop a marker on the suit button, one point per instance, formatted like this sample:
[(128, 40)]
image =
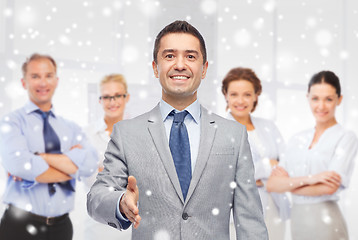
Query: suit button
[(185, 216), (112, 224)]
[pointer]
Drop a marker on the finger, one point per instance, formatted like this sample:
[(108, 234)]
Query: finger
[(131, 202), (335, 182), (132, 207), (137, 221), (332, 182), (132, 183), (328, 183), (281, 168), (337, 177), (334, 178), (276, 170), (129, 213), (134, 218)]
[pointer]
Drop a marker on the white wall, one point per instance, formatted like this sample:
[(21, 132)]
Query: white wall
[(285, 42)]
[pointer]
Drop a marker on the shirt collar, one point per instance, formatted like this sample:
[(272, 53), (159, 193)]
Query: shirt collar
[(193, 109), (100, 125), (31, 107), (229, 115)]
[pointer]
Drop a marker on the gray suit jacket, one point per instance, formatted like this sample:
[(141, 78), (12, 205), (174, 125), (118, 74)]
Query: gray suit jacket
[(223, 180)]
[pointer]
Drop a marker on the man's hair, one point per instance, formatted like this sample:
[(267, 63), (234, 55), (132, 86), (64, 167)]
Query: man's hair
[(118, 78), (179, 27), (35, 57)]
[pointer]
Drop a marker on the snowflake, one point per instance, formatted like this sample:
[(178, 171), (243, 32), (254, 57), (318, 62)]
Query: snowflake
[(162, 235), (215, 211), (28, 207), (79, 138), (270, 5), (31, 229), (27, 166), (8, 12), (208, 6)]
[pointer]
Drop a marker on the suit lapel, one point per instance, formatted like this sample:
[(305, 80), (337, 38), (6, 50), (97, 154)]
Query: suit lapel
[(157, 131), (207, 134)]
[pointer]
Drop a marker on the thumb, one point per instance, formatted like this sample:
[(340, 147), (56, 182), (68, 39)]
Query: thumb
[(132, 184)]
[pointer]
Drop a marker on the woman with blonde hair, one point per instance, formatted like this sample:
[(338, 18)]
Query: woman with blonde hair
[(113, 99)]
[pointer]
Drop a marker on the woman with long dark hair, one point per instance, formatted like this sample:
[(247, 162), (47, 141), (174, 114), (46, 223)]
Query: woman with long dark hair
[(317, 165)]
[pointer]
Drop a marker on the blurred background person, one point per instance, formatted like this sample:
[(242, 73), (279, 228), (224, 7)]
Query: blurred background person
[(43, 155), (113, 99), (317, 165), (241, 88)]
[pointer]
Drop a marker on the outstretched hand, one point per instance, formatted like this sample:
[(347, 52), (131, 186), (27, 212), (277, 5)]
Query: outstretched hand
[(128, 204)]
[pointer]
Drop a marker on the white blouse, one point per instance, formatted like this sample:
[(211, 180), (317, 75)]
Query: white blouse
[(99, 138), (335, 150), (266, 143)]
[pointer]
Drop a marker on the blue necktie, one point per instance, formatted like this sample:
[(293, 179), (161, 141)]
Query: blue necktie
[(180, 149), (52, 145)]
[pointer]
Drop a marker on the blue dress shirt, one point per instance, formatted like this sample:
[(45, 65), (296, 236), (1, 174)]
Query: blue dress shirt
[(21, 139), (192, 123)]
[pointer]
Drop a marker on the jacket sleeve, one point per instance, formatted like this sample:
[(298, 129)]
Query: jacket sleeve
[(111, 183), (247, 209)]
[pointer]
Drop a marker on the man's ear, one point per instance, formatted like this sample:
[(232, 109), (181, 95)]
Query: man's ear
[(205, 69), (155, 69), (23, 82)]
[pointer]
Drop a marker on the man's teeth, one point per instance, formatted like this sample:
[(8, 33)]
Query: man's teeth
[(179, 77)]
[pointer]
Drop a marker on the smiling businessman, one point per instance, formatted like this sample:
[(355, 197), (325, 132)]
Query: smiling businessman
[(178, 171)]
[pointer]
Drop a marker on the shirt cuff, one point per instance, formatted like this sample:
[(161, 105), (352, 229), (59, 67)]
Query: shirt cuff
[(27, 184), (39, 166), (77, 156)]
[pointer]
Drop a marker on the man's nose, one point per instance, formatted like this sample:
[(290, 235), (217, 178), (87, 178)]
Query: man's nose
[(180, 63), (43, 81)]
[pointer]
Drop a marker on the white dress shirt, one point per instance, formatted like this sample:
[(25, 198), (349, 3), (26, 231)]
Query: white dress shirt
[(335, 150)]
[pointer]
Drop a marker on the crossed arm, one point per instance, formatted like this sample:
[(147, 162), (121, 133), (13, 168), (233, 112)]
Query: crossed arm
[(60, 168), (324, 183), (273, 163)]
